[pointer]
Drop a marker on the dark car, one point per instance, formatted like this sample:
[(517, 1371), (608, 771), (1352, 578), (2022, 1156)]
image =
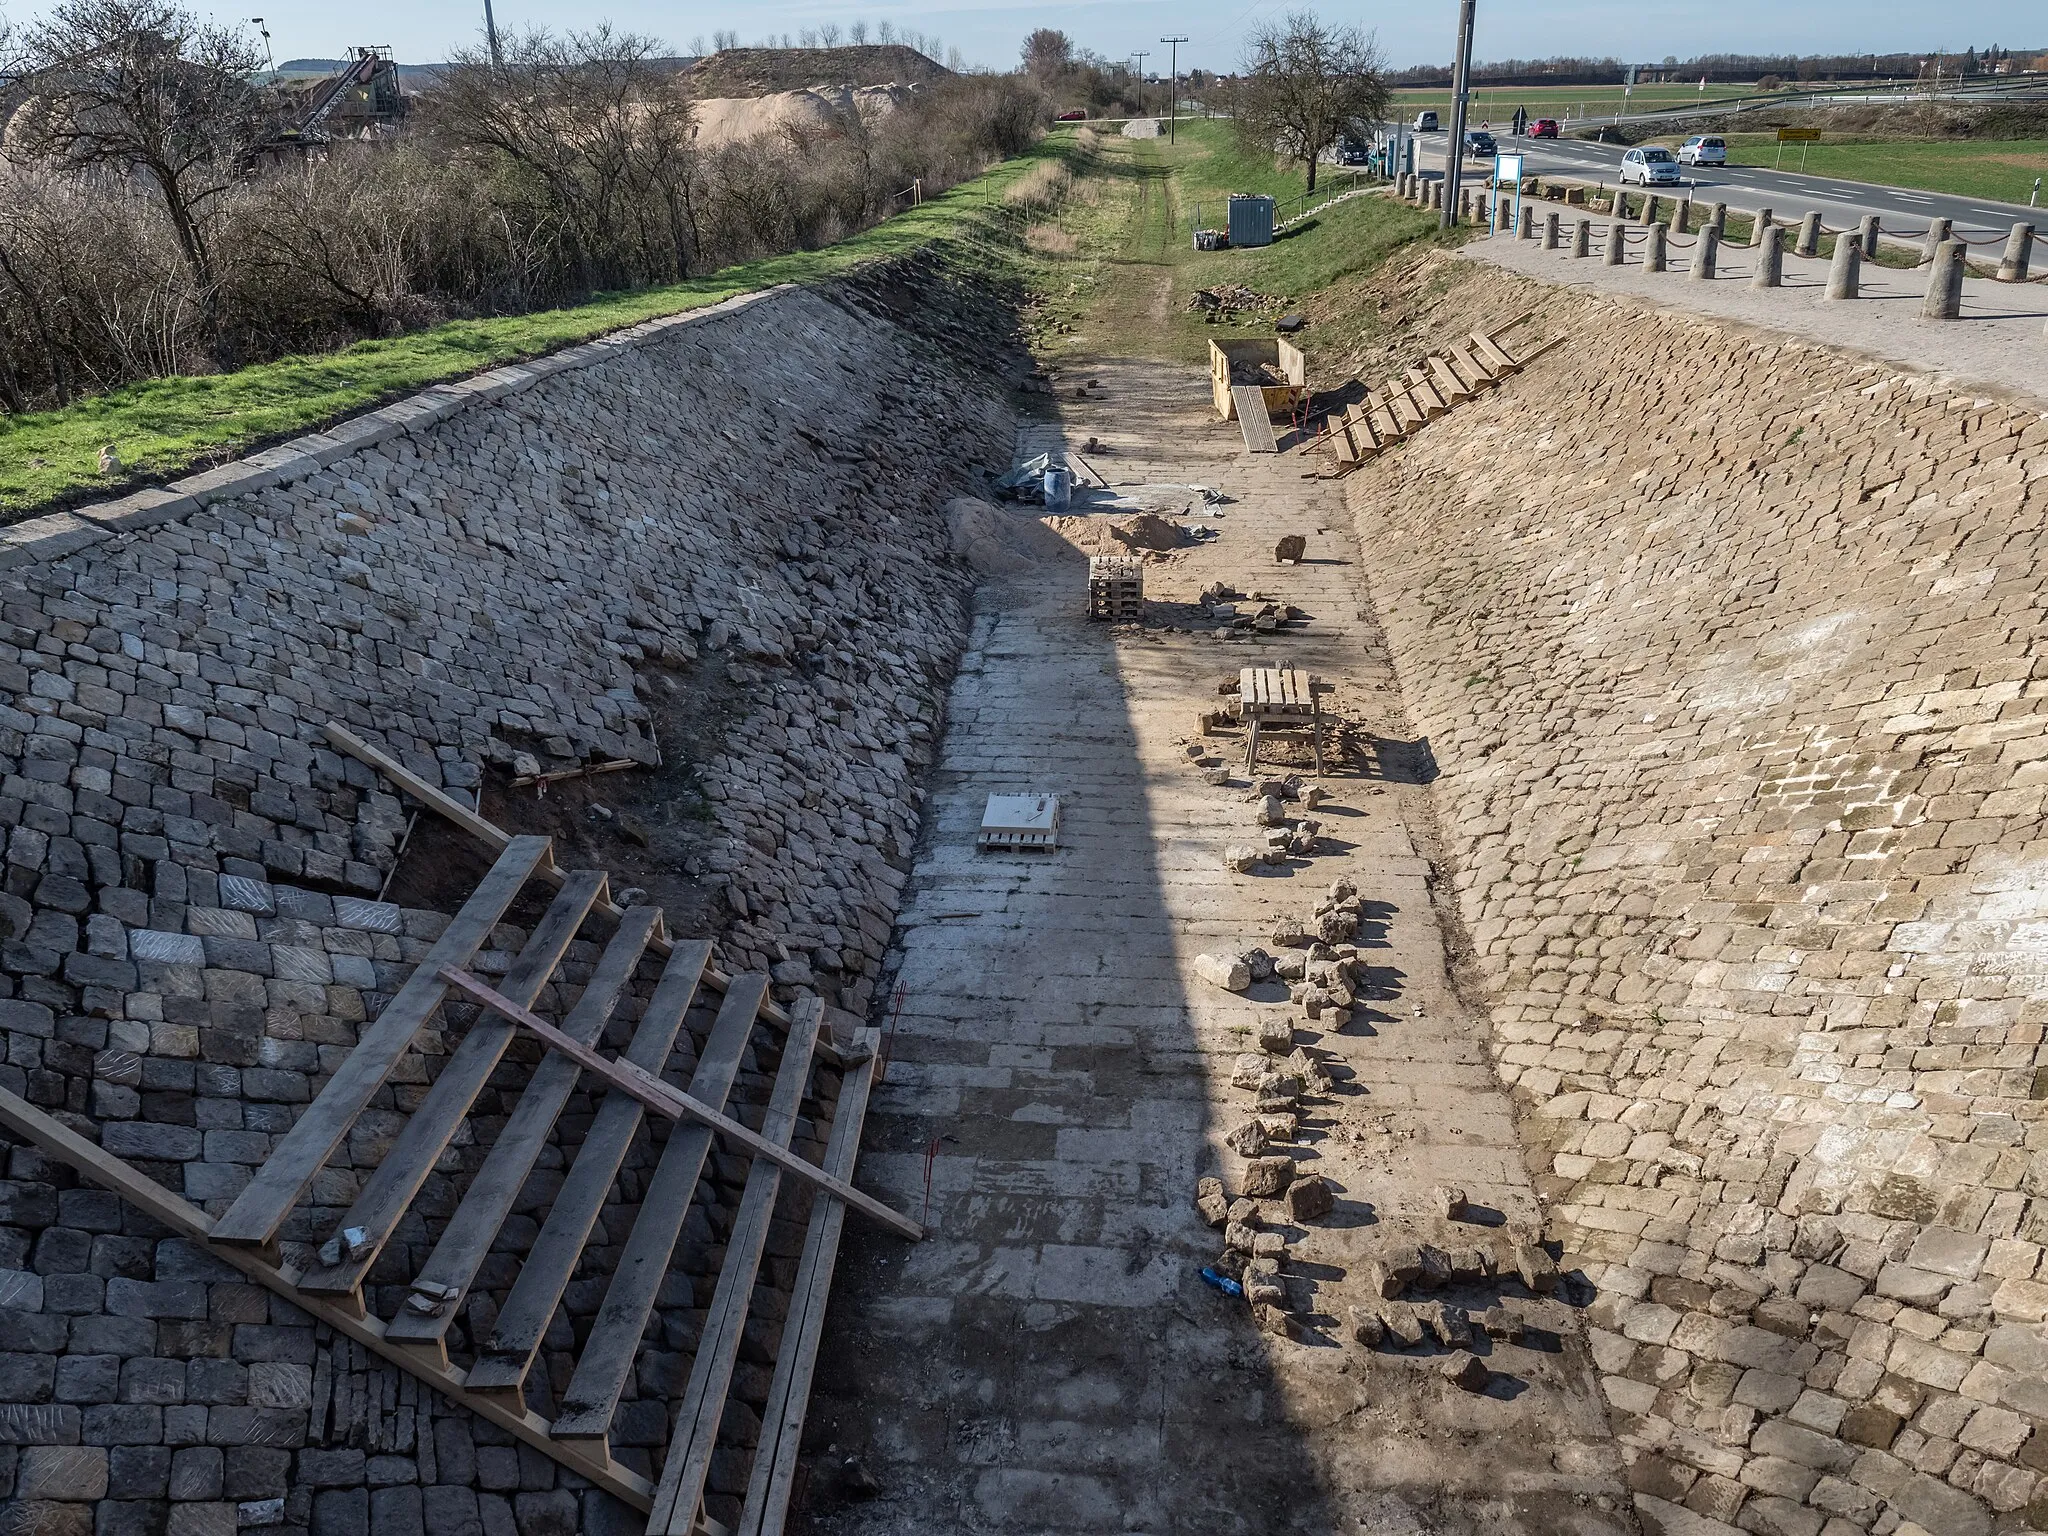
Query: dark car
[(1351, 152), (1543, 128), (1480, 144), (1072, 117)]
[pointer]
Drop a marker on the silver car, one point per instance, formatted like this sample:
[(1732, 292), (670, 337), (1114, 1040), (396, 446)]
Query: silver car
[(1651, 165), (1702, 149)]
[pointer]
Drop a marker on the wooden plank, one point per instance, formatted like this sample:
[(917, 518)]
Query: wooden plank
[(505, 1357), (466, 1240), (1448, 383), (1426, 398), (1491, 354), (1404, 409), (1471, 370), (297, 1159), (384, 1196), (1252, 419), (683, 1474), (592, 1395), (677, 1105), (789, 1393), (1361, 423), (181, 1216), (496, 837)]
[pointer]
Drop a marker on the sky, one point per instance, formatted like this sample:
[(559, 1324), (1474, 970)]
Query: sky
[(988, 34)]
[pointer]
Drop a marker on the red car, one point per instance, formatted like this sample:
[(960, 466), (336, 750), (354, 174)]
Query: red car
[(1072, 117), (1543, 128)]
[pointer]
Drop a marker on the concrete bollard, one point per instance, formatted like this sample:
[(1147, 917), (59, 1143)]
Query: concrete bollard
[(1617, 243), (1550, 241), (1436, 195), (1528, 229), (1770, 261), (1497, 214), (1704, 253), (1681, 215), (1809, 236), (1718, 219), (1938, 230), (1944, 299), (1582, 237), (2019, 248), (1866, 236), (1464, 205), (1756, 230), (1653, 253), (1845, 272), (1649, 207)]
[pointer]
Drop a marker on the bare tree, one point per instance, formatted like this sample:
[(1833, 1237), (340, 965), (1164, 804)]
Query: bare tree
[(829, 34), (724, 39), (1048, 54), (858, 34), (1305, 83), (143, 88)]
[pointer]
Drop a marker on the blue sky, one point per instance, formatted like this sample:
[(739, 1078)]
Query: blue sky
[(1418, 31)]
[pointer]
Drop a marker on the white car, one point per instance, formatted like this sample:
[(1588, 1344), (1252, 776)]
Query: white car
[(1425, 122), (1651, 165), (1699, 150)]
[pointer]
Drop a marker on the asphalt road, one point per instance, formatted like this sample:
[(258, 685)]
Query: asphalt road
[(1788, 194)]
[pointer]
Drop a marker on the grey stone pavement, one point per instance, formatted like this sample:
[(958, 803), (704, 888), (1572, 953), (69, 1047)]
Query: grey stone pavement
[(1049, 1358)]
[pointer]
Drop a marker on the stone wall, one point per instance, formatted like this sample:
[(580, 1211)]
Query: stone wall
[(538, 563), (1730, 657)]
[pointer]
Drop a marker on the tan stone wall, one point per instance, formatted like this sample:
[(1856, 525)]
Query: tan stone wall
[(1731, 658)]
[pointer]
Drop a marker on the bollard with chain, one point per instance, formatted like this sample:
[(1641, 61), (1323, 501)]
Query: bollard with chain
[(1757, 229), (1681, 215), (1718, 219), (1846, 270), (1649, 208), (1582, 237), (1617, 242), (2019, 247), (1770, 261), (1866, 236), (1550, 241), (1653, 254), (1704, 253), (1809, 236), (1528, 225), (1944, 299), (1938, 230)]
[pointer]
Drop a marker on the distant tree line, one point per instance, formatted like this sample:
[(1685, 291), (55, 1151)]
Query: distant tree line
[(152, 221)]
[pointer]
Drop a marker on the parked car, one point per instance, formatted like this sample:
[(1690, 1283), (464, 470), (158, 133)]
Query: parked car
[(1351, 152), (1072, 117), (1425, 122), (1543, 128), (1702, 150), (1652, 165), (1479, 143)]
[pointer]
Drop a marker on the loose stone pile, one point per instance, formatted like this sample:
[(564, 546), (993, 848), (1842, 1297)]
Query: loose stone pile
[(189, 945)]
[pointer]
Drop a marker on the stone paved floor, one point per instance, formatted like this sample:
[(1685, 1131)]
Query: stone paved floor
[(1049, 1360)]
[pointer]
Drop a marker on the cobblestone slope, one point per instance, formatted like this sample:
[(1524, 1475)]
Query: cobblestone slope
[(190, 944), (1728, 650)]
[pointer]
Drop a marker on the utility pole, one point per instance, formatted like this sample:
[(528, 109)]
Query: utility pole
[(491, 33), (1141, 56), (1173, 85), (1461, 86)]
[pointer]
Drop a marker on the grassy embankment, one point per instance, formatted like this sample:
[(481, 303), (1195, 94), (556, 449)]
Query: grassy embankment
[(165, 426), (1113, 270), (1496, 104), (2002, 169)]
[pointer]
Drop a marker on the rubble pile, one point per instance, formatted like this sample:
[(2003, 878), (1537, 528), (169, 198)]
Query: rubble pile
[(1229, 301)]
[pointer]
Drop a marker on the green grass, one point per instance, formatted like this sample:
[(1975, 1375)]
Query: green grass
[(165, 426), (1496, 104), (1124, 288), (2001, 169)]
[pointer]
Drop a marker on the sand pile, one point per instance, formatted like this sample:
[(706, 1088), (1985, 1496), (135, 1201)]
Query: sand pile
[(1143, 533)]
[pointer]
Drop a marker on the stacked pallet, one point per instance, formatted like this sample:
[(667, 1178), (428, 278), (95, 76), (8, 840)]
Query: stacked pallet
[(1116, 587), (1392, 410)]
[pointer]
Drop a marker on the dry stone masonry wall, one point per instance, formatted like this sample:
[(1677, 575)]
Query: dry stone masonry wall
[(1730, 655), (192, 937)]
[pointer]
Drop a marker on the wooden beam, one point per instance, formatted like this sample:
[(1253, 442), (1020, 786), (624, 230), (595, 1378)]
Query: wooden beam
[(550, 1262), (299, 1156), (688, 1465), (179, 1215), (387, 1192), (773, 1477), (677, 1105), (466, 1240)]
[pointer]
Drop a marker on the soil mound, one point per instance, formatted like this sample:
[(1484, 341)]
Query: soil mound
[(765, 71), (1143, 533)]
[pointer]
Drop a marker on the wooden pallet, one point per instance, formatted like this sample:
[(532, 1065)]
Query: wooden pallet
[(1279, 698), (328, 1281), (1252, 419), (1116, 587)]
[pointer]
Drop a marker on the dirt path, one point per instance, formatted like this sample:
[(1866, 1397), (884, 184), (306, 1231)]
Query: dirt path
[(1051, 1359)]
